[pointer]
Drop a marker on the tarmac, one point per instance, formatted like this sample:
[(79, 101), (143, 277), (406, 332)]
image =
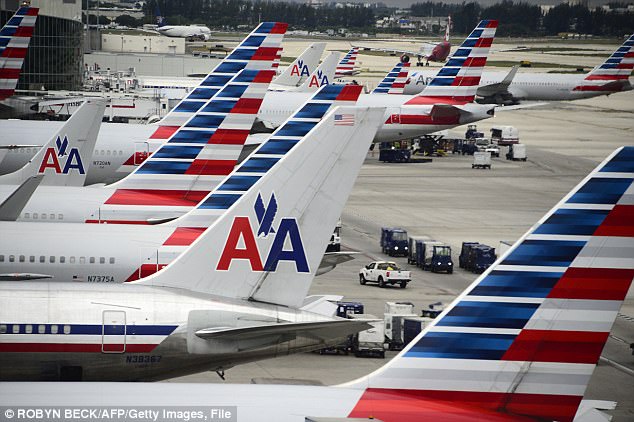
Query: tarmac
[(449, 201)]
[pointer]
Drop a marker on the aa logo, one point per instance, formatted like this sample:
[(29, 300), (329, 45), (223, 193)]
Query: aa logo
[(61, 159), (318, 80), (300, 69), (245, 243)]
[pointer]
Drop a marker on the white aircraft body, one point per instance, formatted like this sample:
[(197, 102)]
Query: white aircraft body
[(612, 76), (199, 32), (127, 252), (265, 246), (519, 344)]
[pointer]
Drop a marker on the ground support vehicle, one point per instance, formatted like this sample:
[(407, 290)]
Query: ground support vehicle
[(344, 310), (433, 310), (414, 244), (384, 273), (464, 253), (334, 245), (505, 135), (412, 326), (394, 331), (481, 160), (517, 152), (436, 257), (394, 241), (370, 342), (480, 258)]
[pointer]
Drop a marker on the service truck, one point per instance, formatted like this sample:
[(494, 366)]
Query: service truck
[(384, 273), (517, 152), (394, 241), (505, 135), (437, 257)]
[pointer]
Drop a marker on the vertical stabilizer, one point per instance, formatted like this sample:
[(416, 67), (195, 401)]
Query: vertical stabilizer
[(394, 82), (524, 338), (15, 36), (323, 75), (301, 68), (613, 74)]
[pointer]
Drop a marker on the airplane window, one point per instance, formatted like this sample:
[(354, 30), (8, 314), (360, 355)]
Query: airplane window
[(102, 260), (92, 259), (41, 329), (42, 259), (1, 258), (72, 259), (43, 216), (3, 329), (66, 329), (35, 216), (62, 259), (111, 260), (22, 258), (53, 329), (32, 258), (52, 216), (51, 259), (15, 329), (11, 258), (82, 259), (29, 329), (27, 215), (60, 216), (108, 152)]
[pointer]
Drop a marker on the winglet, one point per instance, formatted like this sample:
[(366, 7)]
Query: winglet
[(523, 339)]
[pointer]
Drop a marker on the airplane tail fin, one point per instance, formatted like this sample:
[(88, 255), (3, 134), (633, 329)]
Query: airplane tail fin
[(197, 156), (524, 338), (258, 51), (323, 75), (613, 74), (457, 82), (278, 211), (394, 82), (160, 20), (298, 71), (64, 160), (347, 65), (15, 36)]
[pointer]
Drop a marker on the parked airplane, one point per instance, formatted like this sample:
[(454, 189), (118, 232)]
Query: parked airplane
[(446, 103), (323, 75), (122, 148), (610, 77), (61, 160), (15, 36), (520, 343), (199, 32), (127, 252), (301, 68), (348, 65), (394, 82), (277, 215), (428, 51)]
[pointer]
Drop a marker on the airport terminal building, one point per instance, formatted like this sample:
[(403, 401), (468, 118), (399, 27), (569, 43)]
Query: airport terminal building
[(55, 57)]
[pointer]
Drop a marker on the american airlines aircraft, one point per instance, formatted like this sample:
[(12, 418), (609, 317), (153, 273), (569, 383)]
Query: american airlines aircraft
[(519, 344), (199, 32), (610, 77), (127, 252), (394, 82), (348, 65), (234, 296), (15, 36), (446, 103)]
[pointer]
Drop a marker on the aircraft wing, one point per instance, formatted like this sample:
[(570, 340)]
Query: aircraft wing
[(23, 276), (500, 87), (11, 207), (332, 259), (323, 329)]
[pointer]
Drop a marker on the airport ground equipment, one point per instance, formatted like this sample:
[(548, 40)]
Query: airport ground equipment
[(464, 253), (493, 149), (384, 273), (481, 160), (505, 135), (414, 244), (436, 257), (344, 310), (369, 342), (394, 331), (480, 258), (472, 132), (517, 152), (394, 241), (334, 245), (412, 326), (389, 153), (433, 310)]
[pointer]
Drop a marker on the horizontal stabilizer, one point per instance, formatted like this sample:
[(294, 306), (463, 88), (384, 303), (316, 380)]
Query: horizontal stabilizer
[(499, 88), (324, 329), (12, 207), (332, 259), (23, 276)]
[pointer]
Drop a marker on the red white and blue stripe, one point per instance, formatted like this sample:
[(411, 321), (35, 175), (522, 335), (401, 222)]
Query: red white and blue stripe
[(524, 338), (196, 157), (348, 65), (14, 44), (458, 80), (395, 81), (613, 74)]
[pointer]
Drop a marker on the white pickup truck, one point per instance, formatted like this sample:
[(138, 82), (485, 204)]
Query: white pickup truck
[(383, 273)]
